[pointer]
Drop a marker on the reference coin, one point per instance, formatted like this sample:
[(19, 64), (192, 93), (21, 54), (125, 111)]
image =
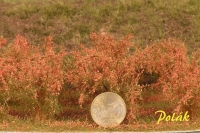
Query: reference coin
[(108, 109)]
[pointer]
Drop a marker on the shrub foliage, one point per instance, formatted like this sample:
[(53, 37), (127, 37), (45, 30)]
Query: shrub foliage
[(37, 78), (30, 77)]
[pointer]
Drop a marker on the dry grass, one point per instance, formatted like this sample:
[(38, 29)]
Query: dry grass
[(70, 22), (15, 124)]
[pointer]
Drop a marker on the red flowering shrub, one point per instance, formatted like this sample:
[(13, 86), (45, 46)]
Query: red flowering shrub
[(35, 78), (106, 66), (178, 81), (30, 77), (182, 86), (109, 66)]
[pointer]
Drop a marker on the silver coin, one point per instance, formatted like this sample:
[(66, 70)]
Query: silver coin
[(108, 109)]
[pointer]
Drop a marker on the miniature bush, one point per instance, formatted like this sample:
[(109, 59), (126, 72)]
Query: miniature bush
[(109, 65), (37, 81), (31, 78)]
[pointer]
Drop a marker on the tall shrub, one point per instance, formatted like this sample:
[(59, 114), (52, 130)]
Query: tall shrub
[(31, 77), (178, 81), (106, 66)]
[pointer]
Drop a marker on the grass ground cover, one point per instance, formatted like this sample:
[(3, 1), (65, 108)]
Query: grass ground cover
[(14, 124), (70, 22), (162, 64)]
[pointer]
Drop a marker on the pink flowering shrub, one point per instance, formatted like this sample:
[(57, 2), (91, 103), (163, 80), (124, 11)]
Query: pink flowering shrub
[(108, 65), (178, 81), (31, 77), (36, 80)]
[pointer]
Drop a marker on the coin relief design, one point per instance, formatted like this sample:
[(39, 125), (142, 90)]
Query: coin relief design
[(108, 109)]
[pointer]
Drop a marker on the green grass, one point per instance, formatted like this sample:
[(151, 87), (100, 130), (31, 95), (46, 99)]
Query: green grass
[(70, 22)]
